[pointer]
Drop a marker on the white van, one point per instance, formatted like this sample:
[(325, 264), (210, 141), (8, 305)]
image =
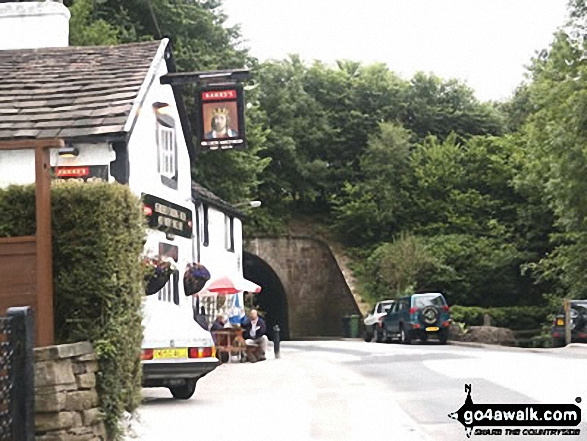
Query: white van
[(176, 351)]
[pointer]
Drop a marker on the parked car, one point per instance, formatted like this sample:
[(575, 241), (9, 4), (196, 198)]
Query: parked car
[(578, 324), (176, 351), (417, 316), (373, 320)]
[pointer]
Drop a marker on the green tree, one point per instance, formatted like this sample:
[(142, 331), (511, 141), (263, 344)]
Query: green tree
[(437, 107), (377, 208), (399, 267)]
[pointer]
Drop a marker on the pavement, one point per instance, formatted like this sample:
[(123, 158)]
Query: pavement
[(352, 390)]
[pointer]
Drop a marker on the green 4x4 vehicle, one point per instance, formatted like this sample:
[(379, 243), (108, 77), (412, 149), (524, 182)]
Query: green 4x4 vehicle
[(418, 316)]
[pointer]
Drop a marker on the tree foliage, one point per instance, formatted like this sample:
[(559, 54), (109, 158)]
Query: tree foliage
[(490, 196)]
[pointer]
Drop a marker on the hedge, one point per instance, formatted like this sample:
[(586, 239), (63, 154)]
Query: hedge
[(98, 237), (512, 317)]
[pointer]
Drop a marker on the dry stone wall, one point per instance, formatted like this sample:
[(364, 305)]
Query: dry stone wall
[(66, 402)]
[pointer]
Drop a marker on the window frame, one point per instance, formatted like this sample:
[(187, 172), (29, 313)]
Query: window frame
[(229, 233), (205, 228), (166, 140)]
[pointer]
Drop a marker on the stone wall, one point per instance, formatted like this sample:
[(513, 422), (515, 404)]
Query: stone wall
[(317, 293), (66, 402)]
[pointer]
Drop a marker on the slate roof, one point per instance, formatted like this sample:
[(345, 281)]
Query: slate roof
[(202, 193), (71, 92)]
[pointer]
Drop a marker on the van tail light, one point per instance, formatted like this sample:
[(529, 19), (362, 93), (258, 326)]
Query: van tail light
[(446, 324), (147, 354), (446, 308), (416, 325), (200, 352), (413, 311)]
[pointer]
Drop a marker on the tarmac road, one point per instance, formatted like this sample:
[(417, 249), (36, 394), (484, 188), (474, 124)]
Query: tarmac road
[(352, 390)]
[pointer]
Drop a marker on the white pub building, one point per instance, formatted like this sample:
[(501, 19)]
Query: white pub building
[(120, 125)]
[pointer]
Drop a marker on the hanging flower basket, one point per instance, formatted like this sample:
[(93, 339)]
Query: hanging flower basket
[(195, 277), (157, 273)]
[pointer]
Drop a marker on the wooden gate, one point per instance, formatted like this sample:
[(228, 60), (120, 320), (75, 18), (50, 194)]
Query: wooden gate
[(26, 263)]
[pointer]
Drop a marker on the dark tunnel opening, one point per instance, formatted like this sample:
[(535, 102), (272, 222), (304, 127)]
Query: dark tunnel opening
[(271, 301)]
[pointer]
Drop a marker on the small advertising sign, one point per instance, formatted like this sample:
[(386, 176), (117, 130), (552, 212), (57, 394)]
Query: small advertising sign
[(220, 114), (82, 173)]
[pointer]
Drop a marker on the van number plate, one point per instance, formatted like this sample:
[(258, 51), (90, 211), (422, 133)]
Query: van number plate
[(170, 353), (432, 328)]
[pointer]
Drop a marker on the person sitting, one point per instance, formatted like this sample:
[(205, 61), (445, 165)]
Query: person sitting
[(255, 337), (218, 324)]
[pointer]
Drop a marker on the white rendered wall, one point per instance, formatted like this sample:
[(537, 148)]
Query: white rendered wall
[(18, 166), (144, 176), (33, 25), (215, 256)]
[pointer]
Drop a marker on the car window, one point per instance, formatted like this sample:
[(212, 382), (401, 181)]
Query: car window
[(387, 306), (428, 300)]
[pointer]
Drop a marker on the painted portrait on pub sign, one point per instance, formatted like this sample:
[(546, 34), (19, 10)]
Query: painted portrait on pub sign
[(220, 120)]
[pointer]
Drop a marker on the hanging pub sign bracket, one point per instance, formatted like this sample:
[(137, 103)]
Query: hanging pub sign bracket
[(219, 106), (215, 76)]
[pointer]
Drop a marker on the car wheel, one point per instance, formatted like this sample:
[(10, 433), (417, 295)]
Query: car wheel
[(404, 337), (377, 335), (185, 391), (368, 335), (558, 343), (443, 337)]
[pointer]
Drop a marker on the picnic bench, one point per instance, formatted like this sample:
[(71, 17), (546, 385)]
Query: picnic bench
[(230, 341)]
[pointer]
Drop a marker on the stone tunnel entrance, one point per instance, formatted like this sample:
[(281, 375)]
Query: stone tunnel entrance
[(304, 290), (272, 299)]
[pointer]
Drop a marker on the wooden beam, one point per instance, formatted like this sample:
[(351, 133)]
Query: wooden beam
[(19, 239), (44, 310), (24, 144), (174, 78)]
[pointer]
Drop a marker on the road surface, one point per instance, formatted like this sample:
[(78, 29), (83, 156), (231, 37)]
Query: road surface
[(352, 390)]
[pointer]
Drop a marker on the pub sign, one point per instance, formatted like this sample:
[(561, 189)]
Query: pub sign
[(220, 116), (166, 216)]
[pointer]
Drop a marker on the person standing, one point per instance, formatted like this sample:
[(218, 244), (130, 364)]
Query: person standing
[(255, 337)]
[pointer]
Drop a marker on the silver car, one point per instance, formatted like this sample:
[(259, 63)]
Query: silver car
[(373, 320)]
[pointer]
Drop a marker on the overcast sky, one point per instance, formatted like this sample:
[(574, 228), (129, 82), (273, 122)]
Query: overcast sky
[(485, 43)]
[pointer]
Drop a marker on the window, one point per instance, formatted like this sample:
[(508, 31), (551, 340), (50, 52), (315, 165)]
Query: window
[(170, 292), (229, 233), (166, 145), (205, 235), (427, 300)]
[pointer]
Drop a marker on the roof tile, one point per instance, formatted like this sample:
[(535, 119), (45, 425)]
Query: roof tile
[(71, 91)]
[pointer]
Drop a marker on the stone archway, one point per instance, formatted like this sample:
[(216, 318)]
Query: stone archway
[(308, 284), (272, 300)]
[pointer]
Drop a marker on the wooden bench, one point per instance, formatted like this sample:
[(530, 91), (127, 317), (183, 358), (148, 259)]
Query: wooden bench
[(230, 341)]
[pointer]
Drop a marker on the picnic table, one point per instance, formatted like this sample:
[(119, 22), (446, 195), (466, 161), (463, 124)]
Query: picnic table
[(230, 341)]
